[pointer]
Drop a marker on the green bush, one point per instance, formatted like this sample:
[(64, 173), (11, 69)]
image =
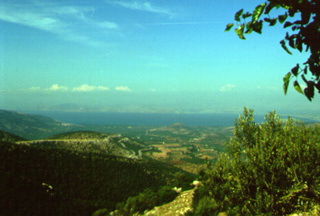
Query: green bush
[(147, 200), (269, 168)]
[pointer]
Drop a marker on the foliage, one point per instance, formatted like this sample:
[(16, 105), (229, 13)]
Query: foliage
[(183, 180), (150, 198), (271, 168), (147, 200), (8, 137), (80, 135), (29, 126), (303, 17), (81, 182), (92, 142)]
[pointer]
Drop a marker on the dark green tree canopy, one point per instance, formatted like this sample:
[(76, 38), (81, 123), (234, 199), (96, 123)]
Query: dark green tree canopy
[(303, 35)]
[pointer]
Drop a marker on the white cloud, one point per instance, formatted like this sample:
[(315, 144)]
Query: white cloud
[(144, 6), (123, 88), (102, 88), (56, 87), (35, 20), (176, 23), (108, 25), (227, 87), (78, 12), (87, 88), (34, 88), (63, 21)]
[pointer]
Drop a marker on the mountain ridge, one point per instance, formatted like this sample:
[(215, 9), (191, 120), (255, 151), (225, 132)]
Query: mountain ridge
[(29, 126), (91, 142)]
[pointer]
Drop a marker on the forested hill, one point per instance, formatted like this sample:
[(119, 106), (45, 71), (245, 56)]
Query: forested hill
[(61, 182), (91, 142), (29, 126), (6, 136)]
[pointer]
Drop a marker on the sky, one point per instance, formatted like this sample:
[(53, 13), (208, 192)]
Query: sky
[(140, 56)]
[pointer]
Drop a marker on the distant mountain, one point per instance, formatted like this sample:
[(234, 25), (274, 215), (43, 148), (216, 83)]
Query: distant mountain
[(83, 135), (175, 126), (9, 137), (91, 142), (29, 126), (177, 129)]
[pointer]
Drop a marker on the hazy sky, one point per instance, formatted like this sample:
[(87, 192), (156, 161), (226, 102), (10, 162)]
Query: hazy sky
[(149, 54)]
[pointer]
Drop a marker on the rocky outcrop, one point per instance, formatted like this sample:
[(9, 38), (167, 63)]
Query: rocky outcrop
[(179, 206)]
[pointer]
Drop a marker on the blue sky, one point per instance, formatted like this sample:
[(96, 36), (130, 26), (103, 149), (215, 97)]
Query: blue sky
[(152, 56)]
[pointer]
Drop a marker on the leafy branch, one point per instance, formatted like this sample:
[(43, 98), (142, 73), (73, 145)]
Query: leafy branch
[(304, 36)]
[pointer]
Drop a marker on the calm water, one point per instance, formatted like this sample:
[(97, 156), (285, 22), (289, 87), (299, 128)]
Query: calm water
[(108, 118)]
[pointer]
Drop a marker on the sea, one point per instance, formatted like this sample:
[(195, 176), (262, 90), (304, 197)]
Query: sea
[(115, 118)]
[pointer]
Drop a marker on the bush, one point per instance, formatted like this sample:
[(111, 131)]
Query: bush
[(269, 168), (147, 200)]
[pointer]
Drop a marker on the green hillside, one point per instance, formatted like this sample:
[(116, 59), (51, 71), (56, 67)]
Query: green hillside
[(29, 126), (80, 135), (60, 182), (91, 142), (6, 136)]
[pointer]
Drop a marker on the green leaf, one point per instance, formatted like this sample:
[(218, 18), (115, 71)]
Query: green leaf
[(283, 45), (267, 20), (269, 7), (238, 14), (286, 80), (249, 28), (291, 42), (287, 24), (294, 70), (309, 92), (239, 32), (229, 26), (257, 12), (273, 22), (257, 27), (297, 87), (246, 15), (292, 11), (282, 18)]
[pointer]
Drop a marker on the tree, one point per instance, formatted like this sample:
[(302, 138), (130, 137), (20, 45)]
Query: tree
[(272, 168), (304, 36)]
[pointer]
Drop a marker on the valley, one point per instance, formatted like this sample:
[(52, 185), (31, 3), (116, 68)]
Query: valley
[(92, 167), (186, 147), (53, 168)]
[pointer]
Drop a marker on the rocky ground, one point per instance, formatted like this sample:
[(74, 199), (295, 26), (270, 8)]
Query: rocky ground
[(179, 206)]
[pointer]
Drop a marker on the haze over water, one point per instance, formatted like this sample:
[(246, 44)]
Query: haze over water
[(109, 118)]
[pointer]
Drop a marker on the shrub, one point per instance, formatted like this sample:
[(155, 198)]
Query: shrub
[(147, 200), (269, 168)]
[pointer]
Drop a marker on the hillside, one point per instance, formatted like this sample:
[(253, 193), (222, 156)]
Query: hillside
[(29, 126), (61, 182), (91, 142), (176, 129), (9, 137), (83, 135)]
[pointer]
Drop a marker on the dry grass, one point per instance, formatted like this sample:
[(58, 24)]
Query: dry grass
[(179, 206)]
